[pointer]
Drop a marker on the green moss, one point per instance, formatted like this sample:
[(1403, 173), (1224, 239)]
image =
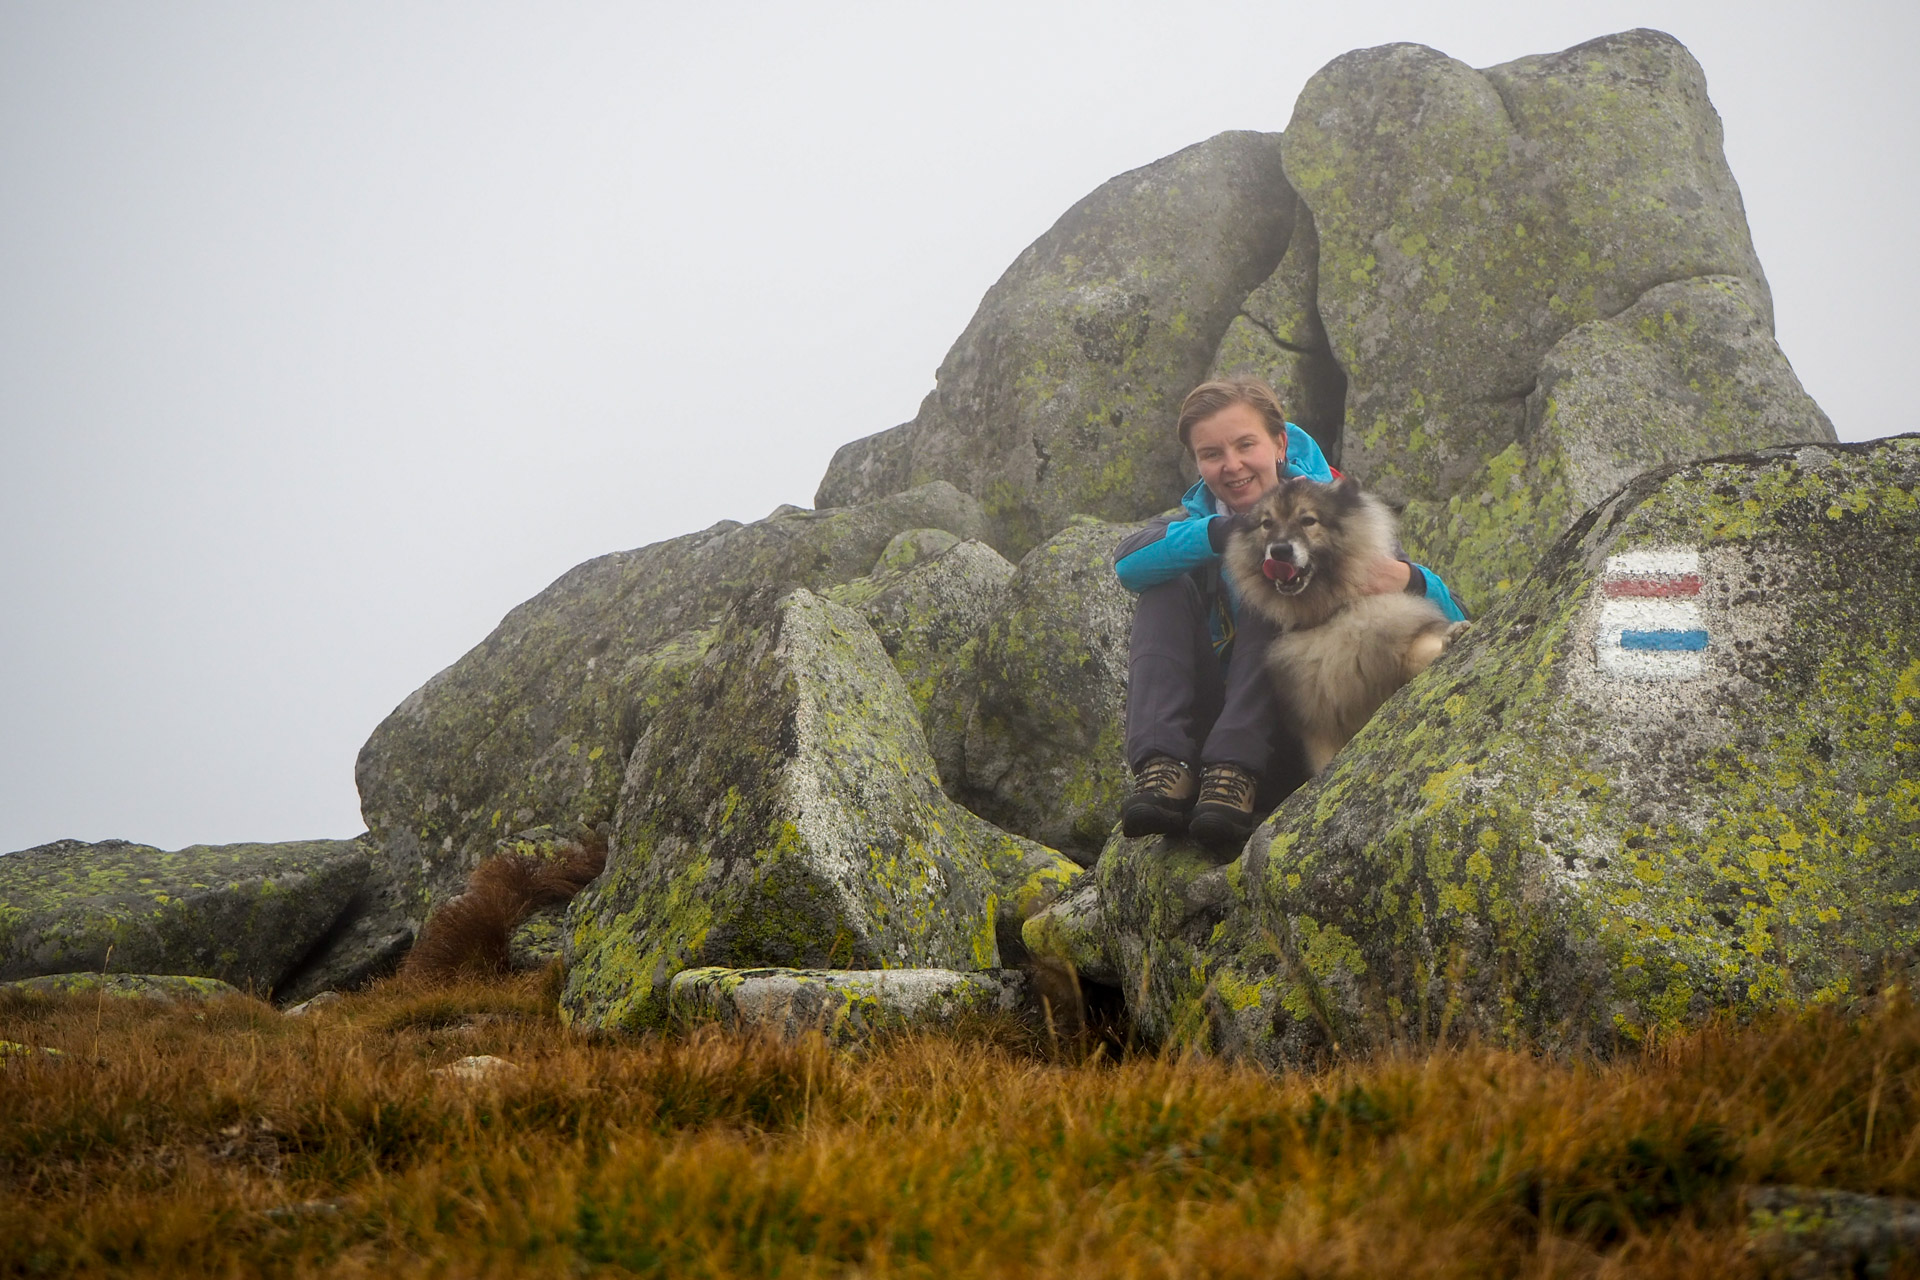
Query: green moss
[(791, 818), (1492, 533), (245, 914), (129, 986)]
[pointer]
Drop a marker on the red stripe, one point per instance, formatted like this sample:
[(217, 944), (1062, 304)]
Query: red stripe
[(1686, 584)]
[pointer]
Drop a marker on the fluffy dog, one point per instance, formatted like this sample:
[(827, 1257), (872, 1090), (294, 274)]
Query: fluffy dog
[(1302, 557)]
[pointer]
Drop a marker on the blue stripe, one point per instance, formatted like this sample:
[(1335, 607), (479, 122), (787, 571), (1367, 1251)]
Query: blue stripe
[(1664, 641)]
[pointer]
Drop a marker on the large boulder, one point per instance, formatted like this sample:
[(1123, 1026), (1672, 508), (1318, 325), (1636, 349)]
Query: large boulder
[(1046, 739), (369, 939), (534, 724), (164, 988), (1688, 371), (1279, 336), (1060, 396), (783, 810), (1676, 771), (246, 914), (1469, 222), (930, 605)]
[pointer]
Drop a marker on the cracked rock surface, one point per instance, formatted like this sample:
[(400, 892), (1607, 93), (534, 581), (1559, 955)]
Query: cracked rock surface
[(783, 810)]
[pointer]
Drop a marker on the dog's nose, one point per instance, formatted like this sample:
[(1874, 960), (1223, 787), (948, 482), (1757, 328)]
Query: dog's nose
[(1280, 551)]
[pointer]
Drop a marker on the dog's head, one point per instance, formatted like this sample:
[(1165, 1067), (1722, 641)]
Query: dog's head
[(1294, 535)]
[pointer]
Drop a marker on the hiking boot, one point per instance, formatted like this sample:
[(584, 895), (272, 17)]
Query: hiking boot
[(1163, 791), (1224, 817)]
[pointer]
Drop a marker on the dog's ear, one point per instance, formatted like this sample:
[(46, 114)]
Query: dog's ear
[(1244, 522)]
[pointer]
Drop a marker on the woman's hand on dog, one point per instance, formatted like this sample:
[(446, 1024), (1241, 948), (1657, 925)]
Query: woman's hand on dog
[(1388, 575)]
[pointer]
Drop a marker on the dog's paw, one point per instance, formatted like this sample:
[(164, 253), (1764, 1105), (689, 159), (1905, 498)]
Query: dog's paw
[(1457, 630)]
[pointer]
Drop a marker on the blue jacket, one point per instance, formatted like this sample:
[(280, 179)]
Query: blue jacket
[(1168, 548)]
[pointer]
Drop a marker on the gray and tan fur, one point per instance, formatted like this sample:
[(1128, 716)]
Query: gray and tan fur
[(1341, 652)]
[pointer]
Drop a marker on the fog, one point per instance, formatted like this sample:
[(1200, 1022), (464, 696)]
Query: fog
[(329, 333)]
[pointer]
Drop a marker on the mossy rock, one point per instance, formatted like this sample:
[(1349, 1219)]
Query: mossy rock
[(783, 810), (537, 940), (1676, 771), (1073, 930), (534, 724), (847, 1007), (368, 940), (1059, 397), (930, 606), (1046, 741), (1469, 223), (1688, 371), (1279, 336), (246, 914), (168, 988)]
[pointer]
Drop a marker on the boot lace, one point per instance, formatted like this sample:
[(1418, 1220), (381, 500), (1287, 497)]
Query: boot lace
[(1160, 776), (1228, 785)]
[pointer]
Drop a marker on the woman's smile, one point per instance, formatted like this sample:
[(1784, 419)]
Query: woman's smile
[(1237, 455)]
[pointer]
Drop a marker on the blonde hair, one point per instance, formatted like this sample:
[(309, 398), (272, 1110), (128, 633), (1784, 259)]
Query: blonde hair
[(1210, 398)]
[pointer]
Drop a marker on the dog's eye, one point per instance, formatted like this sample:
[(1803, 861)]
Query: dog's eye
[(1266, 522), (1307, 522)]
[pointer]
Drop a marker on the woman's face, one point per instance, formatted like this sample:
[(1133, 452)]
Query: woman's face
[(1238, 459)]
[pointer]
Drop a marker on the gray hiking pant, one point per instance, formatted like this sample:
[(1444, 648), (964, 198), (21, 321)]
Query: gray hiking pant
[(1180, 703)]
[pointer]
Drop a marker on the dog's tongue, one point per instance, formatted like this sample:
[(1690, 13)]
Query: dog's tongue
[(1279, 570)]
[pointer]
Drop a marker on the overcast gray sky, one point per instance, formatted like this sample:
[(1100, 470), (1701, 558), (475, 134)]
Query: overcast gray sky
[(329, 332)]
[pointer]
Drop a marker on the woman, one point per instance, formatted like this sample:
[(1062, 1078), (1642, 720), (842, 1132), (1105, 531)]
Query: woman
[(1198, 697)]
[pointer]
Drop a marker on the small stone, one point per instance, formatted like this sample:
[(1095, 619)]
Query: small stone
[(479, 1068), (313, 1004)]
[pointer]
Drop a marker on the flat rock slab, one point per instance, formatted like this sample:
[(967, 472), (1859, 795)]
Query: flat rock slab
[(171, 987), (246, 914), (844, 1005)]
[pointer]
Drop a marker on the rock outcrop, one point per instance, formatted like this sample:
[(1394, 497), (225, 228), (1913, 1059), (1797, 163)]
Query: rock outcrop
[(533, 726), (1494, 296), (1676, 771), (1470, 221), (246, 914), (784, 811), (1045, 745), (1059, 397), (164, 988)]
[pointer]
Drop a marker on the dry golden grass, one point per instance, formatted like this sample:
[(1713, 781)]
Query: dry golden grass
[(229, 1140)]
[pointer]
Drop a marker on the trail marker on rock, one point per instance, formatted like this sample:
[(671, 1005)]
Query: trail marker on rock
[(1650, 623)]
